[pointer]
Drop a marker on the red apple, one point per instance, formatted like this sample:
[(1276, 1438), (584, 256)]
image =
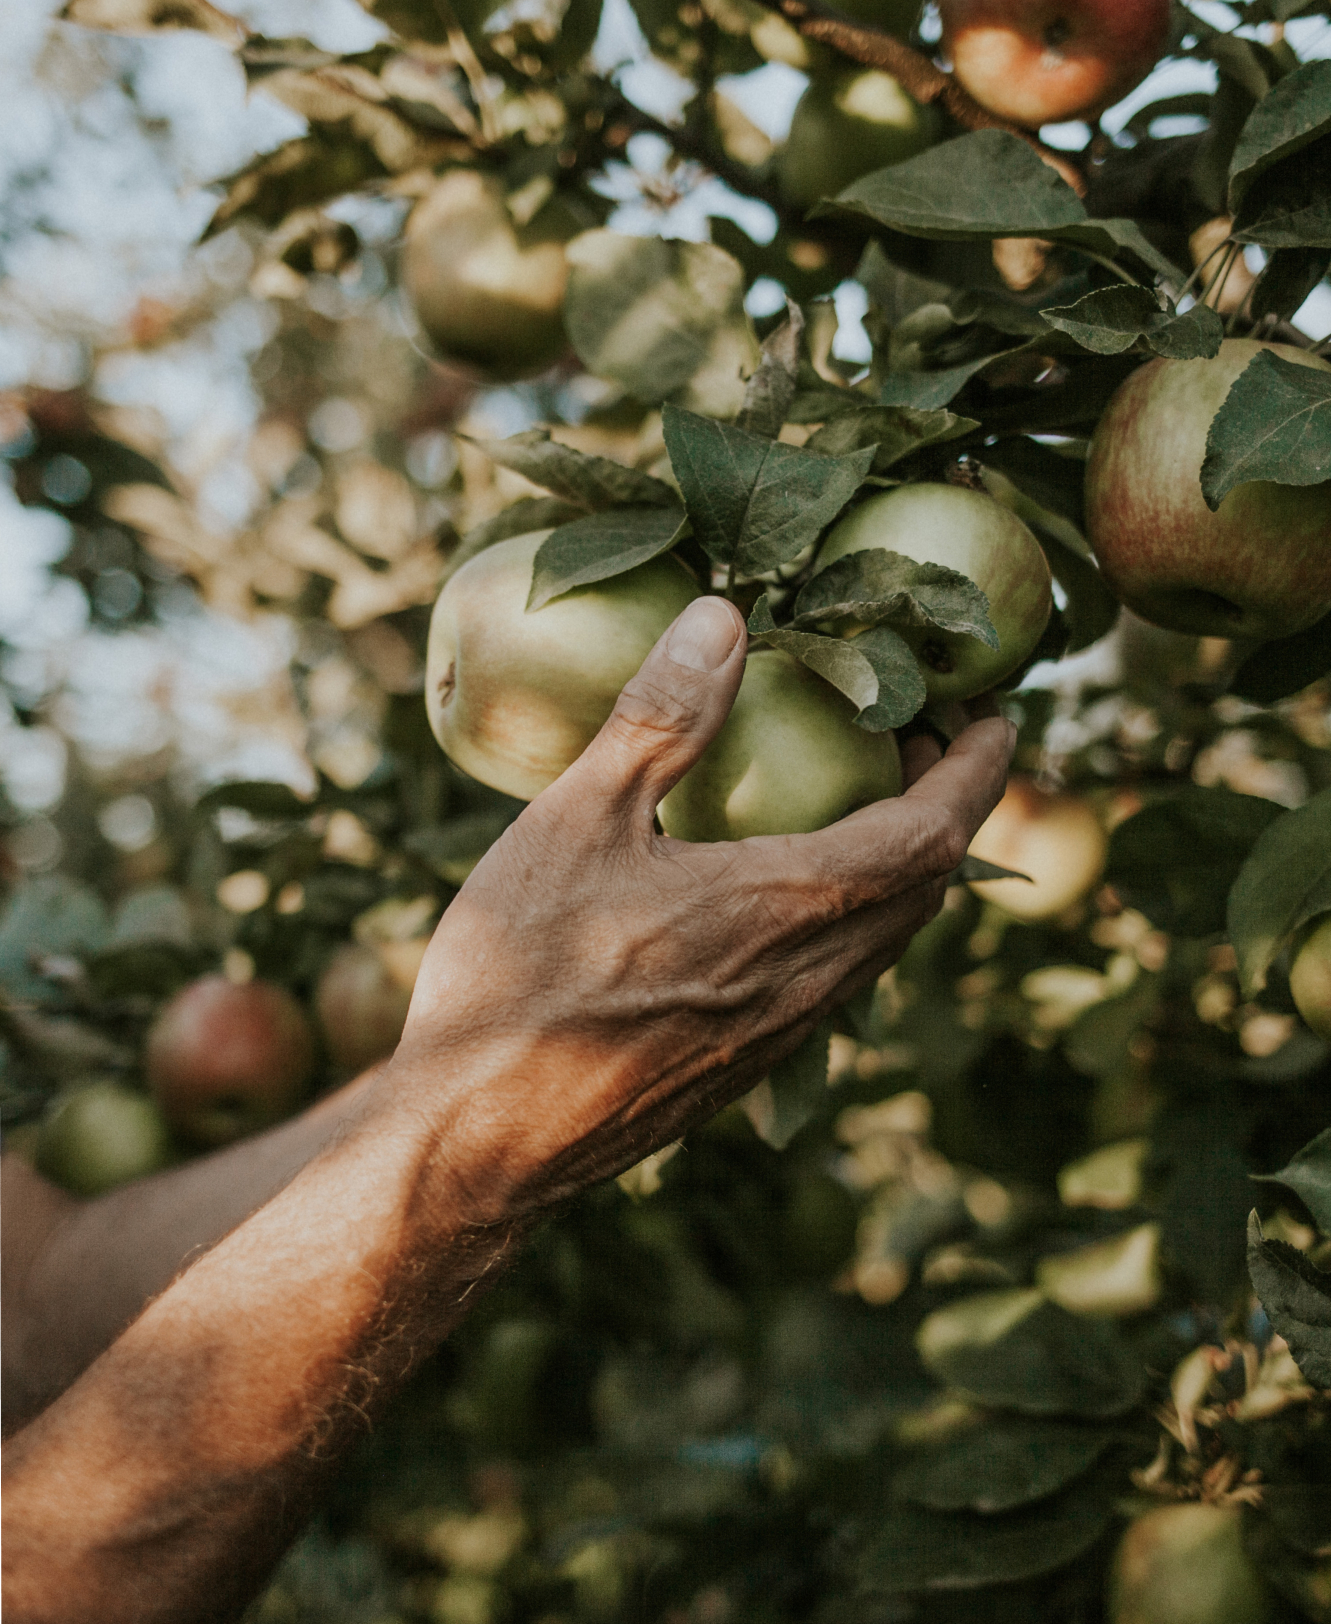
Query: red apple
[(1259, 567), (224, 1060), (1044, 61), (362, 1007)]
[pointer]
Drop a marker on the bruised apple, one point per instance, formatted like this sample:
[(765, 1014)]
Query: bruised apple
[(488, 291), (970, 532), (224, 1060), (1258, 567), (847, 126), (1185, 1564), (1056, 839), (515, 698), (362, 1006), (1045, 61), (788, 760), (1310, 976)]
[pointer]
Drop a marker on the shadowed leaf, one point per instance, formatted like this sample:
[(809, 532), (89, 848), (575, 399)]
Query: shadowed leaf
[(601, 545)]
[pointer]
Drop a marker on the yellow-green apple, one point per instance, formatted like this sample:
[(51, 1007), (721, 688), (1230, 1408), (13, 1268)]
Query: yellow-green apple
[(362, 1006), (488, 291), (789, 759), (100, 1135), (1258, 567), (970, 532), (225, 1060), (1057, 839), (1310, 976), (1185, 1564), (513, 697), (1045, 61), (846, 126)]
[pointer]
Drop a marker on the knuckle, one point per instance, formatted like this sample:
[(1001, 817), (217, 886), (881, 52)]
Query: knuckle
[(646, 710)]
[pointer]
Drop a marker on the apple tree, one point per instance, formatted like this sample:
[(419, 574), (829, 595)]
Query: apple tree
[(1007, 1295)]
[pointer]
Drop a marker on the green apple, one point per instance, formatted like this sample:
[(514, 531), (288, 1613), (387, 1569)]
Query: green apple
[(101, 1135), (515, 698), (1258, 567), (970, 532), (1310, 976), (225, 1060), (488, 291), (788, 760), (1185, 1564), (847, 126)]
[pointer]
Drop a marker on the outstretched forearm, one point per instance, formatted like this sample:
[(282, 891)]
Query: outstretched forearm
[(168, 1479)]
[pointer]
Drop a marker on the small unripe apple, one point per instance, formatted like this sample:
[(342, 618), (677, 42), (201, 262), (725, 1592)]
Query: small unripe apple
[(1310, 976), (362, 1007), (1056, 839), (789, 759), (970, 532), (486, 290), (515, 698), (1046, 61), (224, 1060), (1258, 567), (846, 127), (1185, 1564), (101, 1135)]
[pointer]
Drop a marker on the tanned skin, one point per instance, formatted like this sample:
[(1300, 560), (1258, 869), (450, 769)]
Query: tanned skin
[(595, 990)]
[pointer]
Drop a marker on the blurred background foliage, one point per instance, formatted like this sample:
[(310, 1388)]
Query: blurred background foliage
[(991, 1299)]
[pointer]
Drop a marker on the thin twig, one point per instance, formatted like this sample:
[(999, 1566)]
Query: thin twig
[(470, 64)]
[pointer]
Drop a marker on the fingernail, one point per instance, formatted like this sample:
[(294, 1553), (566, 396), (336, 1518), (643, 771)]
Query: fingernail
[(703, 636)]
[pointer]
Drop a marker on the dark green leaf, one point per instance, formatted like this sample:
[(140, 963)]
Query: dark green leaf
[(876, 586), (1285, 666), (1176, 860), (452, 849), (798, 1087), (755, 503), (144, 969), (977, 868), (519, 518), (259, 799), (929, 391), (1294, 112), (1297, 1300), (1285, 881), (1288, 277), (1275, 423), (1309, 1176), (921, 1550), (876, 670), (1049, 1362), (592, 482), (769, 392), (1301, 1513), (301, 174), (1111, 320), (896, 431), (48, 914), (600, 545), (1290, 207), (999, 1464)]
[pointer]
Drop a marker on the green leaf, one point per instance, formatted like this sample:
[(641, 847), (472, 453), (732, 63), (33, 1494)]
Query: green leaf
[(1297, 1300), (876, 586), (48, 914), (1002, 1463), (770, 391), (1176, 859), (1288, 277), (1275, 423), (591, 482), (755, 503), (1111, 320), (930, 391), (1294, 112), (145, 969), (260, 800), (1309, 1176), (1291, 206), (876, 670), (896, 431), (796, 1089), (978, 868), (915, 1549), (600, 545), (1286, 666), (1285, 882), (519, 518), (1015, 1351), (664, 319), (454, 848)]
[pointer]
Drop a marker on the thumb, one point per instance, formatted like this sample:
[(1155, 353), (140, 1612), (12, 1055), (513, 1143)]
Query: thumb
[(669, 713)]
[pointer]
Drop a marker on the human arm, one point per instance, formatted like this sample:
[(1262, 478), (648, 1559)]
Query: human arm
[(595, 989)]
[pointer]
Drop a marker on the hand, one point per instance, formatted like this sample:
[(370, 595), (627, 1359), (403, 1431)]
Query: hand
[(623, 986)]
